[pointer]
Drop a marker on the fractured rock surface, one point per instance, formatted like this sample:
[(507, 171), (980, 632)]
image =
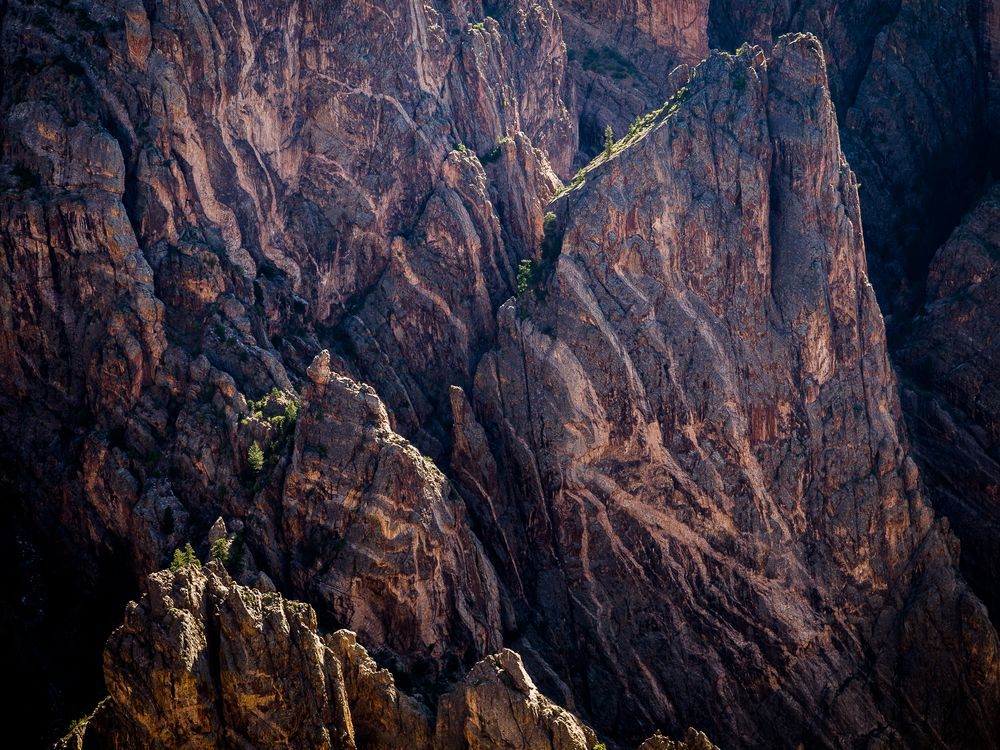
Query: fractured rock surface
[(701, 475), (677, 481), (202, 662)]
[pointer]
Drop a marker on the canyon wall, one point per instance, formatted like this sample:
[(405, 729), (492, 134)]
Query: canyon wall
[(257, 266), (701, 477)]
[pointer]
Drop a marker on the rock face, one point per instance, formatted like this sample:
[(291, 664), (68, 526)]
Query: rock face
[(693, 740), (202, 662), (676, 481), (193, 202), (950, 360), (621, 56), (497, 705), (913, 82), (703, 501), (676, 26), (376, 535), (910, 82)]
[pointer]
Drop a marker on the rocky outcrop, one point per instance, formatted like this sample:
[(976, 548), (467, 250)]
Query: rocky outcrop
[(912, 80), (497, 705), (683, 458), (204, 662), (950, 359), (705, 502), (377, 537), (693, 740)]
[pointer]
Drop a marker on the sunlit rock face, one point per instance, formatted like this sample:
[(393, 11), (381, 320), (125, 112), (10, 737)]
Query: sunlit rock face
[(195, 201), (376, 536), (203, 662), (702, 498)]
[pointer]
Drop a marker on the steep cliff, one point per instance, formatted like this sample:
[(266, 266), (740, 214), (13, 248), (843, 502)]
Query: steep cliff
[(910, 80), (195, 200), (702, 498), (377, 537), (913, 82), (950, 359), (675, 478)]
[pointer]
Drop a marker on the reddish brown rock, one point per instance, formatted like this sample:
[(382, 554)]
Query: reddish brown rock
[(197, 200), (204, 662), (711, 516), (622, 53), (376, 536), (679, 29)]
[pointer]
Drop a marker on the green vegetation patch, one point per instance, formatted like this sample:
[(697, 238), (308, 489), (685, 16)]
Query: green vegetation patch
[(255, 457), (183, 557), (639, 127)]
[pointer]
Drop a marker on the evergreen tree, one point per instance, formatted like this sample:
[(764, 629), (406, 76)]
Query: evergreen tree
[(255, 457)]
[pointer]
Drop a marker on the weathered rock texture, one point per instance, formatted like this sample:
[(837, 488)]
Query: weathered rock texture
[(910, 80), (202, 662), (377, 537), (702, 499), (913, 82), (689, 501), (194, 200), (950, 362), (693, 740), (621, 55)]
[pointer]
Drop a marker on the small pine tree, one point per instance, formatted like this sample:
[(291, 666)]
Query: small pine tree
[(255, 457), (184, 556), (178, 560), (609, 140), (636, 125), (220, 550), (525, 274)]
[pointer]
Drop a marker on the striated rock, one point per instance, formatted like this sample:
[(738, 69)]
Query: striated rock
[(623, 53), (376, 536), (194, 201), (709, 512), (951, 398), (684, 456), (204, 662), (677, 27)]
